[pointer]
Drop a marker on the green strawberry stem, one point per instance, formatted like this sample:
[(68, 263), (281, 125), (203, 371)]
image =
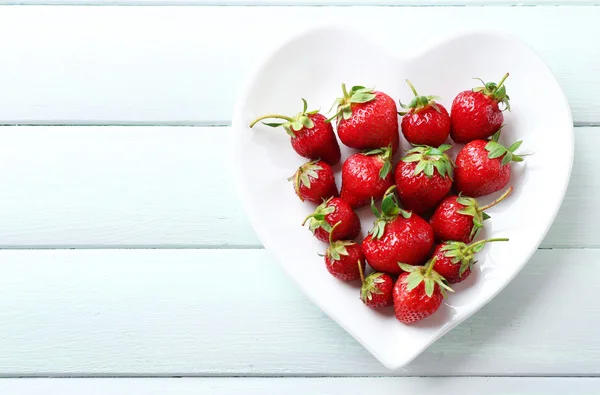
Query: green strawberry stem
[(495, 202), (344, 91), (360, 271), (389, 190), (331, 233), (430, 267), (412, 88), (307, 218), (502, 81), (276, 116), (486, 241)]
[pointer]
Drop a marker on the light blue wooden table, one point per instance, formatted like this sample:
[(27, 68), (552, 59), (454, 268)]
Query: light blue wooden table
[(125, 252)]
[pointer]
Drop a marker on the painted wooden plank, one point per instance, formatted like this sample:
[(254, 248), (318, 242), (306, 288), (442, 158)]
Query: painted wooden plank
[(185, 65), (173, 187), (303, 386), (233, 312), (118, 186)]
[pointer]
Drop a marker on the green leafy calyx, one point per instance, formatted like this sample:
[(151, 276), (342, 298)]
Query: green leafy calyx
[(337, 249), (358, 94), (385, 154), (472, 208), (304, 174), (418, 102), (497, 150), (390, 209), (291, 124), (425, 274), (370, 286), (430, 159), (317, 220), (464, 254), (495, 91)]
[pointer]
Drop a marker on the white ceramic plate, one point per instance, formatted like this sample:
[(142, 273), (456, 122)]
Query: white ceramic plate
[(313, 65)]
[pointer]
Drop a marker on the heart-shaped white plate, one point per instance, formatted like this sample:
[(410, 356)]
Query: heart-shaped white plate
[(312, 66)]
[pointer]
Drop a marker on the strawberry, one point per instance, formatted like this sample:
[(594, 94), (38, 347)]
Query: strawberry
[(483, 167), (328, 214), (454, 259), (314, 181), (367, 119), (424, 177), (476, 113), (376, 290), (344, 259), (397, 236), (425, 122), (419, 292), (366, 175), (311, 135), (460, 218)]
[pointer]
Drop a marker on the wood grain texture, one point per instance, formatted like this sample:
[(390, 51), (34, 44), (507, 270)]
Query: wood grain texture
[(185, 65), (165, 187), (233, 312), (303, 386)]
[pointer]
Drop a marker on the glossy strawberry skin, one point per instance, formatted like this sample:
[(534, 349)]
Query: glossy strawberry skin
[(317, 142), (478, 175), (414, 305), (321, 188), (420, 193), (350, 223), (385, 298), (474, 115), (361, 180), (405, 240), (346, 268), (448, 224), (373, 124), (426, 126), (446, 268)]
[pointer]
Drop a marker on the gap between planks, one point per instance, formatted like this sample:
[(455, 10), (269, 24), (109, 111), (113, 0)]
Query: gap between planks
[(302, 3), (183, 124), (332, 386)]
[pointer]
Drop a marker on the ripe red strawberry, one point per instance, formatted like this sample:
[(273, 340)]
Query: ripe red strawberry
[(455, 259), (476, 113), (397, 236), (344, 259), (424, 177), (367, 119), (419, 292), (328, 214), (311, 135), (425, 122), (365, 176), (460, 218), (483, 167), (314, 181), (376, 290)]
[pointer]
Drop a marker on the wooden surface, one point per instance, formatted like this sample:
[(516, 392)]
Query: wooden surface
[(184, 65), (138, 187), (124, 253), (233, 312)]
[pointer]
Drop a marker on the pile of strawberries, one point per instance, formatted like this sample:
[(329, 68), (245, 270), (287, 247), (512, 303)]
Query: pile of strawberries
[(422, 238)]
